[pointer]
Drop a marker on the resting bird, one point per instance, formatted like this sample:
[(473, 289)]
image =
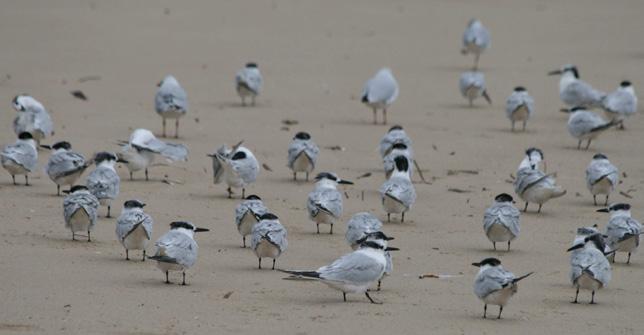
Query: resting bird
[(396, 134), (585, 125), (601, 177), (501, 220), (494, 285), (324, 203), (380, 92), (398, 149), (21, 157), (621, 103), (247, 214), (398, 193), (171, 102), (302, 154), (476, 39), (268, 238), (134, 227), (65, 166), (532, 185), (238, 167), (248, 82), (104, 182), (575, 92), (519, 106), (177, 249), (472, 85), (79, 210), (622, 232), (589, 268), (32, 118), (140, 151)]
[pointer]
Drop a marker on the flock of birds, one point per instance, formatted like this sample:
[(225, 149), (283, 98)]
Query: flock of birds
[(371, 260)]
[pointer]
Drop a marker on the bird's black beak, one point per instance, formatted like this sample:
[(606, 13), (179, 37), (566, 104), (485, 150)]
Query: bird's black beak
[(391, 249), (603, 210), (477, 264), (346, 182), (121, 160), (45, 146), (554, 73), (198, 230), (211, 155), (575, 247), (387, 238)]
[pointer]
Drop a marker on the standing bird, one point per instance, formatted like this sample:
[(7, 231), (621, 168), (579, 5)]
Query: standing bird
[(621, 103), (472, 85), (248, 82), (575, 92), (532, 185), (396, 134), (589, 268), (238, 167), (32, 118), (622, 232), (501, 220), (171, 102), (398, 149), (302, 154), (354, 272), (268, 238), (134, 227), (324, 203), (375, 236), (247, 214), (104, 182), (65, 166), (21, 157), (476, 39), (519, 106), (379, 92), (398, 193), (177, 249), (585, 125), (139, 152), (494, 284), (79, 208), (601, 177)]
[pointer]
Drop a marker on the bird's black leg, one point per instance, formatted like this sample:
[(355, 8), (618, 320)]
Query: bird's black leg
[(500, 311), (176, 129), (163, 127), (243, 193), (307, 176), (592, 298), (539, 210), (628, 261), (525, 209), (184, 278), (143, 259), (26, 180), (131, 176), (318, 225), (167, 278), (230, 192), (294, 176), (372, 301), (576, 296), (595, 200), (73, 236), (14, 179), (588, 144), (494, 245), (384, 116), (273, 264), (243, 241), (606, 202), (388, 217), (344, 295), (512, 126), (260, 264), (127, 255), (58, 190), (579, 145), (331, 231), (146, 174), (508, 245), (402, 219), (485, 311), (379, 282), (109, 210), (89, 236), (375, 117)]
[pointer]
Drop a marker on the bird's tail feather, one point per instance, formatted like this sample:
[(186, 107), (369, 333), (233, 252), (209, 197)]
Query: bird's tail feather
[(301, 275), (522, 277)]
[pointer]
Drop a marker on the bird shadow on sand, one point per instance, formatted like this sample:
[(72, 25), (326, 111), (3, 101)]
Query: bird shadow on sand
[(508, 130), (462, 106), (461, 68)]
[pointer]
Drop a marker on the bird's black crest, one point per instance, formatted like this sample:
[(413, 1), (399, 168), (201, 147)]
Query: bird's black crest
[(303, 136), (371, 244), (402, 164), (399, 145), (365, 99), (625, 83), (133, 204), (62, 145), (598, 241), (251, 64), (105, 156), (531, 150), (396, 127), (253, 197), (77, 188), (600, 156), (620, 207), (573, 69), (182, 224), (239, 155), (268, 216), (323, 175), (577, 108), (519, 89), (25, 136), (490, 261), (503, 197)]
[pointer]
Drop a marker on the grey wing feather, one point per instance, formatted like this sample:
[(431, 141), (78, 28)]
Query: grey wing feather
[(307, 147), (171, 151), (471, 79), (618, 227), (381, 88), (247, 168), (491, 280), (355, 267), (64, 162), (42, 122), (218, 164), (477, 34), (178, 246), (329, 200), (21, 153), (600, 169), (391, 138), (250, 78), (171, 98), (620, 102), (400, 189), (104, 183), (580, 93), (359, 225), (590, 259), (527, 178), (504, 214), (256, 207), (128, 220), (76, 201), (271, 230), (584, 122), (518, 99)]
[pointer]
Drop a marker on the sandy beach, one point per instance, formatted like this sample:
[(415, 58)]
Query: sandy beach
[(315, 57)]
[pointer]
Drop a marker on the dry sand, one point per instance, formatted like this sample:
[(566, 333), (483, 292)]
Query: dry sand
[(315, 57)]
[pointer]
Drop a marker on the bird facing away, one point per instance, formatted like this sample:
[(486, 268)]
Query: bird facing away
[(359, 226), (354, 272), (398, 149), (324, 203), (380, 92), (65, 166), (177, 249), (585, 125), (396, 134), (519, 106), (104, 182), (476, 39), (140, 151), (589, 268), (79, 209), (622, 232), (532, 185), (398, 193), (302, 154), (268, 238), (575, 92), (32, 118), (621, 103), (472, 86), (248, 82), (501, 220), (238, 167), (494, 285), (247, 214), (134, 227), (601, 177), (171, 102), (21, 157)]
